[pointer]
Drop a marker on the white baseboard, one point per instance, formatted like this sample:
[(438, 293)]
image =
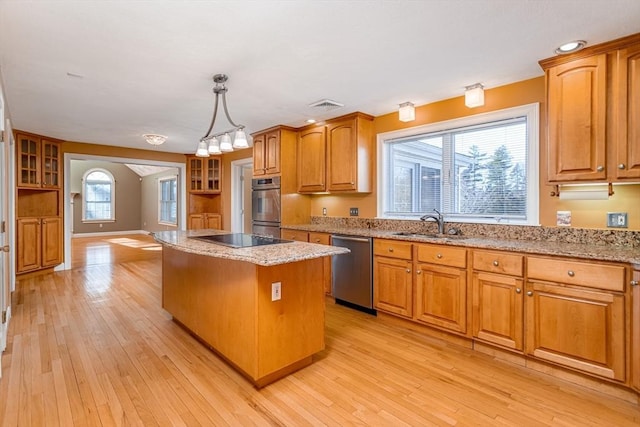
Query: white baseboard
[(109, 233)]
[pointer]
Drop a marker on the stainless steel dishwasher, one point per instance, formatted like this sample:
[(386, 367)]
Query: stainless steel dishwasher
[(352, 273)]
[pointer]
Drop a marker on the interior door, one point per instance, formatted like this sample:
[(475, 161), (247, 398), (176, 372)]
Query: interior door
[(4, 255)]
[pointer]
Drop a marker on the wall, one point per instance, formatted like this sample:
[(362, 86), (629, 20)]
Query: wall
[(585, 214), (227, 158), (149, 201), (127, 201)]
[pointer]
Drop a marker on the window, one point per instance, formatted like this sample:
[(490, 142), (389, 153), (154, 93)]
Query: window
[(482, 168), (99, 196), (168, 207)]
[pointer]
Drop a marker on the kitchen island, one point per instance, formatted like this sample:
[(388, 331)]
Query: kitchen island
[(261, 308)]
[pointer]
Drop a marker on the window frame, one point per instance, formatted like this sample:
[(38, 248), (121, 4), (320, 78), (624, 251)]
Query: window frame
[(112, 194), (532, 114), (160, 201)]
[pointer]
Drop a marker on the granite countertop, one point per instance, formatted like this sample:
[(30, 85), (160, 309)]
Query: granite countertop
[(267, 255), (586, 251)]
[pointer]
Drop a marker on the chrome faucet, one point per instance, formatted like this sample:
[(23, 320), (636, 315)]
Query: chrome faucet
[(438, 218)]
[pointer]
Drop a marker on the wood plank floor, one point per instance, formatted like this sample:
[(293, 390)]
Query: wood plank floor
[(92, 346)]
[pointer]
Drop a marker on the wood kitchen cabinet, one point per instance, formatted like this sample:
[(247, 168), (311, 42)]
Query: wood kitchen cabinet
[(441, 287), (336, 156), (266, 150), (205, 220), (393, 277), (324, 239), (204, 174), (575, 315), (38, 162), (39, 242), (497, 298), (627, 157), (635, 329), (297, 235)]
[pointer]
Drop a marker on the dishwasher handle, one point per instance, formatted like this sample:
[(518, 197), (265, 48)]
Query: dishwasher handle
[(352, 239)]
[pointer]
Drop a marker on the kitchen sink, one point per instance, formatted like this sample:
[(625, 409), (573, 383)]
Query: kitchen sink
[(430, 235)]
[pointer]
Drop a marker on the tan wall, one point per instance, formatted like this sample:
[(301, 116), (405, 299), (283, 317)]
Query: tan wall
[(149, 201), (587, 214)]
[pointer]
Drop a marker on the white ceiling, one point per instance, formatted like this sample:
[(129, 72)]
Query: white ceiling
[(146, 66)]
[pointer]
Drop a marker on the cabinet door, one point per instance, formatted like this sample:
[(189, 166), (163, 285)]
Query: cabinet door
[(342, 156), (498, 309), (635, 329), (28, 159), (195, 173), (577, 120), (29, 244), (259, 154), (212, 172), (392, 286), (311, 160), (272, 153), (196, 222), (628, 138), (213, 221), (323, 239), (578, 328), (51, 241), (441, 297), (297, 235), (50, 164)]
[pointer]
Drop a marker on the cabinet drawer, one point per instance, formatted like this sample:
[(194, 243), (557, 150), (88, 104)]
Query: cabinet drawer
[(297, 235), (320, 238), (443, 255), (392, 249), (600, 276), (498, 262)]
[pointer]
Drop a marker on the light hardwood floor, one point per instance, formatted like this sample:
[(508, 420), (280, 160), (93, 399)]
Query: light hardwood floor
[(92, 346)]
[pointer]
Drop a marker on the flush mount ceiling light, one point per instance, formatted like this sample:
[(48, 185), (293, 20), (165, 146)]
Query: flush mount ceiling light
[(154, 139), (215, 143), (571, 47), (407, 112), (474, 95)]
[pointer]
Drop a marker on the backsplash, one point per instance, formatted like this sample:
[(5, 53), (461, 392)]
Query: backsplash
[(514, 232)]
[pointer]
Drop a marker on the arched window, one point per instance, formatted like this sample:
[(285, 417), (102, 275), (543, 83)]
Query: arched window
[(99, 196)]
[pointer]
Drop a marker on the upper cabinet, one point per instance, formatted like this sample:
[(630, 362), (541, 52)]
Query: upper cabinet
[(593, 103), (203, 174), (336, 156), (38, 162), (267, 150)]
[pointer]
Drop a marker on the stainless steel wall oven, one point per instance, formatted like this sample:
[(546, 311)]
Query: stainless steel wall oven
[(265, 206)]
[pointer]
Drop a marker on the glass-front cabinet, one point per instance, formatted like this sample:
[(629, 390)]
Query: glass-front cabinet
[(204, 174), (38, 162)]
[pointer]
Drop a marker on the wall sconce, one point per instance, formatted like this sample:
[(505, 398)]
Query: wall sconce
[(407, 112), (474, 95)]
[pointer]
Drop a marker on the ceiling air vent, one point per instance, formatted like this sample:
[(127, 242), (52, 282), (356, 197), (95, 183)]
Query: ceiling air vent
[(326, 104)]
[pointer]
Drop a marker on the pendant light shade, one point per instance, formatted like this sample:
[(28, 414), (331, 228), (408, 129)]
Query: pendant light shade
[(225, 143), (214, 146), (240, 140), (474, 95), (202, 149), (407, 112)]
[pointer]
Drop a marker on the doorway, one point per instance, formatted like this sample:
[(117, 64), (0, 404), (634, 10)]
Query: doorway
[(241, 175)]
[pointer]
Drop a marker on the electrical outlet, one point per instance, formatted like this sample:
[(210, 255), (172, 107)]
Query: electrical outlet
[(324, 211), (276, 291), (617, 219), (353, 211)]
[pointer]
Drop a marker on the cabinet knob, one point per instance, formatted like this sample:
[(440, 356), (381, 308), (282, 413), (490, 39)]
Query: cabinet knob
[(571, 273), (419, 272), (518, 290), (496, 263), (439, 256), (621, 166), (529, 293), (600, 168), (390, 249), (634, 283), (408, 270)]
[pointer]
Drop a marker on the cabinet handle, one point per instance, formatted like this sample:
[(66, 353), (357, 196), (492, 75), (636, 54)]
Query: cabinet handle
[(621, 166), (571, 273), (518, 290), (439, 256), (634, 283), (496, 263), (317, 240), (600, 168), (390, 249), (529, 293)]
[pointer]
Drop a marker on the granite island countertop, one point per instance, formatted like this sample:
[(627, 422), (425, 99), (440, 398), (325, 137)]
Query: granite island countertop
[(616, 253), (267, 255)]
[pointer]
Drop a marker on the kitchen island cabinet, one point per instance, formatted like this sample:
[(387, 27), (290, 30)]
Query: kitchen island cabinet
[(227, 298)]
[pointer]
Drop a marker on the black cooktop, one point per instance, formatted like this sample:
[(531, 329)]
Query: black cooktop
[(240, 240)]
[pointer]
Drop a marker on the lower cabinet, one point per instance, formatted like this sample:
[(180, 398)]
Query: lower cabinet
[(297, 235), (393, 285), (39, 243), (204, 221), (635, 329), (572, 322), (323, 239)]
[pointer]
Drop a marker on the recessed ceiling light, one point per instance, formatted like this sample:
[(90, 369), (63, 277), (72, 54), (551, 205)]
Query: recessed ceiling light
[(311, 120), (571, 47)]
